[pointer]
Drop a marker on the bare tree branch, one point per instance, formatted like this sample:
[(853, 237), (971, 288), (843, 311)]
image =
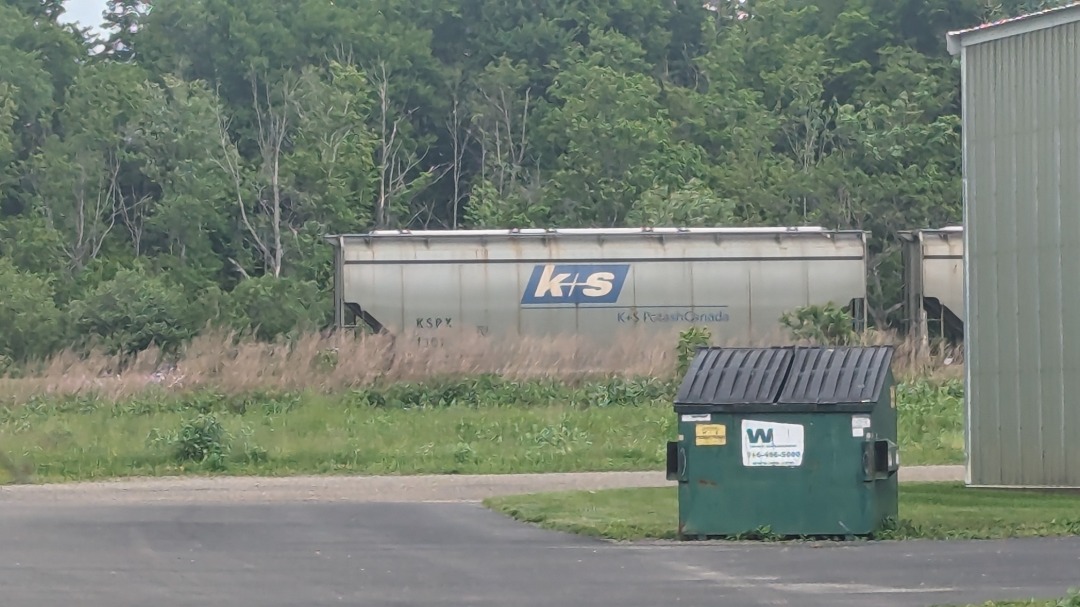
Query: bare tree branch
[(395, 164), (92, 215), (454, 125), (229, 162), (501, 131), (239, 268), (134, 218), (273, 122)]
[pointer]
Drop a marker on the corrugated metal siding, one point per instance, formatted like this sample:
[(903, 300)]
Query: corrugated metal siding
[(1022, 170), (735, 376), (829, 376)]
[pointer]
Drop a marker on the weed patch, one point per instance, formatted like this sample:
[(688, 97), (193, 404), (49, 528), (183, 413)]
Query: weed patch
[(229, 364), (482, 424), (930, 421)]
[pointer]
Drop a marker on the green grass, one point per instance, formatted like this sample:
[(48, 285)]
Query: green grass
[(478, 425), (1031, 603), (407, 430), (930, 422), (932, 511), (1073, 600)]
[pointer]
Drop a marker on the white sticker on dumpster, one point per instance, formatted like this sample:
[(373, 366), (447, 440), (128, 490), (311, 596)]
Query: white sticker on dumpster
[(859, 425), (771, 444), (697, 417)]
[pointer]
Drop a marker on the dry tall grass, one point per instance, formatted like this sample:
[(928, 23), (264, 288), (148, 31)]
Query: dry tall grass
[(224, 362)]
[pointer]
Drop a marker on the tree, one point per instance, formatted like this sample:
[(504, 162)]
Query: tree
[(259, 190), (269, 307), (79, 176), (507, 191), (132, 311), (399, 157), (315, 156), (32, 323), (613, 141), (213, 143), (123, 18)]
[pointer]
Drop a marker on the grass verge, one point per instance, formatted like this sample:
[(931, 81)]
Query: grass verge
[(478, 425), (484, 425), (1073, 600), (1031, 603), (927, 511)]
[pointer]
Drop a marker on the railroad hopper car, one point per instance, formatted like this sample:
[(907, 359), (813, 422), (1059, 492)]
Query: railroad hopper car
[(737, 282), (933, 261)]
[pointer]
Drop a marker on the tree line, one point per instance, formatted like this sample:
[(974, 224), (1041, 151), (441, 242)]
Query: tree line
[(181, 169)]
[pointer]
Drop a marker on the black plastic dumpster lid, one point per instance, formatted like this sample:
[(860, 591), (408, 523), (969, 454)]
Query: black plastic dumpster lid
[(782, 377), (735, 376), (831, 376)]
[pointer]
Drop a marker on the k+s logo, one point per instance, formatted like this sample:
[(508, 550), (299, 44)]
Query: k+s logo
[(575, 284)]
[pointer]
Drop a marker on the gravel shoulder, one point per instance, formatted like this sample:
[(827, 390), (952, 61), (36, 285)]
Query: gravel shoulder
[(440, 488)]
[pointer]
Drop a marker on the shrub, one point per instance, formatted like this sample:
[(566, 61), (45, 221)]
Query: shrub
[(133, 310), (271, 307), (827, 325), (689, 341), (30, 321), (201, 439), (1073, 600)]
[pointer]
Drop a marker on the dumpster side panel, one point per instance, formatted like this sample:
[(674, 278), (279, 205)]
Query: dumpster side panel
[(884, 426), (795, 441), (598, 283), (811, 485)]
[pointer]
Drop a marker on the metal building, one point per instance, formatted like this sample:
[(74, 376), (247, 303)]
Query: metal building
[(933, 264), (1020, 83)]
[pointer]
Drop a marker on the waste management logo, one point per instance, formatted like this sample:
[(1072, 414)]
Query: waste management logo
[(771, 444), (575, 284)]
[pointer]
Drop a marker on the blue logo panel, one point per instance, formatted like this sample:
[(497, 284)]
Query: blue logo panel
[(573, 284)]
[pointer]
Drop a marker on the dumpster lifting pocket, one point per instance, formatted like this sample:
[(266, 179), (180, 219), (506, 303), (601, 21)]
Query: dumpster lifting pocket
[(676, 462), (881, 459)]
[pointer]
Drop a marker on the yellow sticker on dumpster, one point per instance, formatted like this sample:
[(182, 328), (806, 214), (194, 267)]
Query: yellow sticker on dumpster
[(710, 435)]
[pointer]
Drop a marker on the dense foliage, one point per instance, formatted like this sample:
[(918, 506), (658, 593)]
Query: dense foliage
[(184, 170)]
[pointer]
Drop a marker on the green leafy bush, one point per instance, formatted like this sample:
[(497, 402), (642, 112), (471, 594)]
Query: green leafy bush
[(202, 440), (132, 311), (827, 325), (30, 323), (1073, 600), (271, 307), (689, 341)]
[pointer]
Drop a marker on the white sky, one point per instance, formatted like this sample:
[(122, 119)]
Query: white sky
[(86, 13)]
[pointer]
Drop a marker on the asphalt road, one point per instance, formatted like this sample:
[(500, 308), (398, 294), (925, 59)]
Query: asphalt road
[(383, 553)]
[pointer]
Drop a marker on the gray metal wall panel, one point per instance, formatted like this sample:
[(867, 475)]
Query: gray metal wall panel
[(1069, 160), (1022, 171)]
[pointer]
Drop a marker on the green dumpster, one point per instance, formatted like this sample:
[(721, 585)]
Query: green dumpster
[(796, 441)]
